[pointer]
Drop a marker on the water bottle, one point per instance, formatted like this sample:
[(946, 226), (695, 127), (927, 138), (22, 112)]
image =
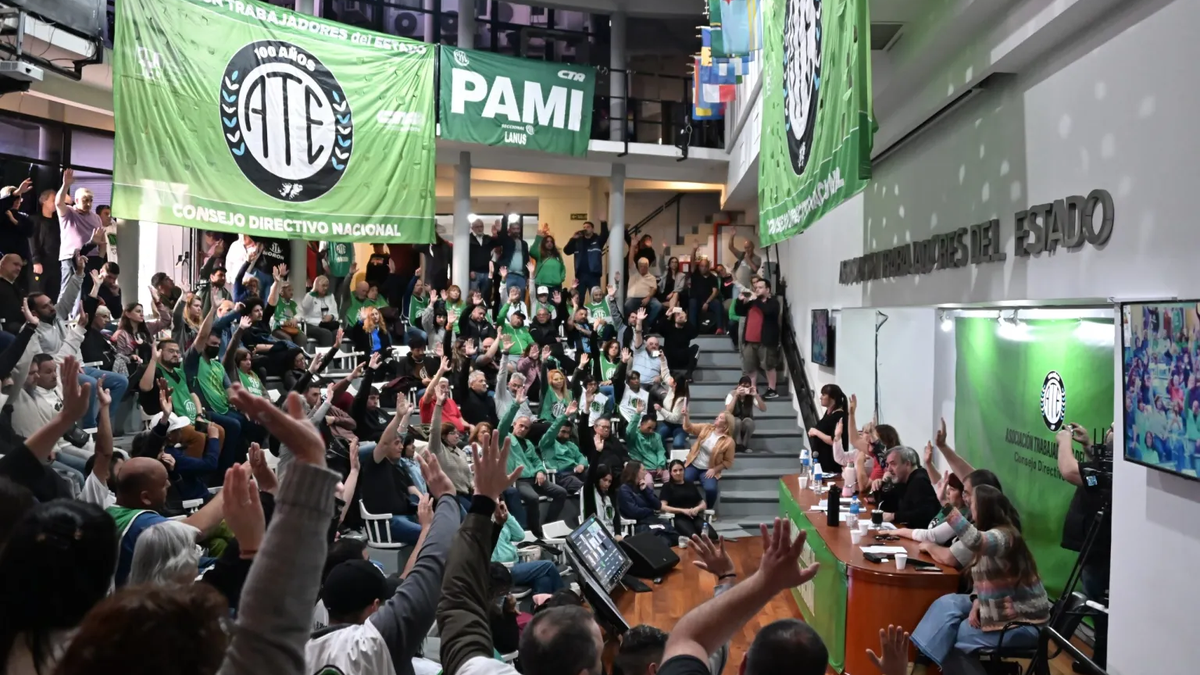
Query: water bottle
[(805, 463), (816, 479), (854, 511)]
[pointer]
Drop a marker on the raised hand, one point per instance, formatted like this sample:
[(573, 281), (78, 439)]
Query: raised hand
[(358, 370), (640, 316), (712, 557), (583, 360), (469, 348), (507, 340), (425, 512), (68, 176), (531, 266), (30, 317), (25, 186), (503, 271), (292, 428), (572, 408), (95, 275), (243, 509), (780, 564), (376, 359), (267, 482), (927, 456), (75, 396), (245, 323), (164, 398), (491, 476), (837, 431), (626, 355), (440, 395), (445, 364), (103, 397), (940, 438), (893, 642), (853, 403), (556, 297), (545, 352), (439, 350)]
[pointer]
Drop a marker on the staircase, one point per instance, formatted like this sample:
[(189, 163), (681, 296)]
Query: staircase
[(749, 490)]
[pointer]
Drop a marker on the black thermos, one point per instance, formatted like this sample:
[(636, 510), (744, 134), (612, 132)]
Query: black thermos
[(833, 507)]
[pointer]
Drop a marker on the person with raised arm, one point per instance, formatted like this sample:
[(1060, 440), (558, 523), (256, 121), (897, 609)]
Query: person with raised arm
[(704, 629)]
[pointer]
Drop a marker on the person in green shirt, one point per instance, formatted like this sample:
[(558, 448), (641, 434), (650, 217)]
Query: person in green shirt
[(535, 480), (514, 335), (207, 370), (341, 260), (417, 303), (556, 394), (364, 295), (561, 455), (539, 575), (600, 313), (285, 320), (550, 269), (645, 445)]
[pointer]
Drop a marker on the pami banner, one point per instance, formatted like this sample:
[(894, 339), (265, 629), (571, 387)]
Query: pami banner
[(243, 117)]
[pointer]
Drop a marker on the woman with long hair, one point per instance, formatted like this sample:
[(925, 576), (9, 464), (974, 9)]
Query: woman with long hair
[(370, 336), (550, 272), (556, 394), (1006, 582), (637, 502), (134, 334), (55, 566), (606, 366), (598, 497), (480, 437), (829, 429), (672, 287), (682, 498), (186, 319), (443, 444), (711, 454), (320, 311), (740, 404), (530, 366), (939, 531), (671, 413), (871, 445), (239, 365)]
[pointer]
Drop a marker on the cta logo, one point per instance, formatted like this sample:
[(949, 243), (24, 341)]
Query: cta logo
[(286, 120), (572, 75), (461, 59), (1054, 401), (403, 121)]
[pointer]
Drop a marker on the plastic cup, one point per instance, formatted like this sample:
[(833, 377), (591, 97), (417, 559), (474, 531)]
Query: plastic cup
[(901, 560), (803, 482), (855, 537), (864, 526), (877, 517)]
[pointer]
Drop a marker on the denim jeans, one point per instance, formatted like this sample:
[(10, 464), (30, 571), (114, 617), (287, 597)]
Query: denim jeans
[(714, 307), (712, 486), (653, 309), (482, 283), (232, 452), (516, 508), (670, 431), (607, 390), (115, 384), (514, 280), (945, 629), (412, 332), (405, 530), (540, 575)]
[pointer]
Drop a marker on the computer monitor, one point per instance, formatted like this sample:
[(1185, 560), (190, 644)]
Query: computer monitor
[(596, 596), (599, 553)]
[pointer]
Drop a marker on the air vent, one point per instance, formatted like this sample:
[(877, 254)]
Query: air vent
[(884, 34)]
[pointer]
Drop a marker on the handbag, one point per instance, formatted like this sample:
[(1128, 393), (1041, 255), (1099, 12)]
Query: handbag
[(76, 436)]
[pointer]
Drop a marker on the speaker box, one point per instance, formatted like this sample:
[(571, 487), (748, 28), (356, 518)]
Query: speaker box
[(651, 557)]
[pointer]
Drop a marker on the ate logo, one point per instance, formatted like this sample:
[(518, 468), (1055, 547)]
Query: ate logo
[(286, 120), (1053, 401), (801, 78)]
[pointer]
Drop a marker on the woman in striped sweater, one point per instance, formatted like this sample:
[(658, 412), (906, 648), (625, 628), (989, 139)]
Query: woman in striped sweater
[(1007, 588)]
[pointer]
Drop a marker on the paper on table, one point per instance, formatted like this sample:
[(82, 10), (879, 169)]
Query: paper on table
[(824, 504), (884, 550)]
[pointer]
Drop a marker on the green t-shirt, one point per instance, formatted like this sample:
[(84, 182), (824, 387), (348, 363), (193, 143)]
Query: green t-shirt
[(251, 382), (457, 308), (213, 380), (549, 272), (285, 310), (554, 407), (354, 306), (341, 256), (607, 368), (416, 305), (181, 396), (521, 338), (598, 310)]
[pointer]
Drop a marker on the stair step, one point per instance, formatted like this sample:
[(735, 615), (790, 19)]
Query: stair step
[(780, 463), (741, 479), (707, 359), (729, 375), (749, 504), (709, 407), (715, 343)]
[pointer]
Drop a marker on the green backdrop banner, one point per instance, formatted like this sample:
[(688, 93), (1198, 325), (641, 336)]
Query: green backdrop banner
[(244, 117), (817, 128), (500, 100), (822, 601), (1015, 386)]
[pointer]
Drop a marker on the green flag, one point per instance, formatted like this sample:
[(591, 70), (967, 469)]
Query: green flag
[(1016, 385), (817, 127), (244, 117), (500, 100)]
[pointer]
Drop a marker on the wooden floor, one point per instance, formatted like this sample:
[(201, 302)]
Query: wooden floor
[(687, 586)]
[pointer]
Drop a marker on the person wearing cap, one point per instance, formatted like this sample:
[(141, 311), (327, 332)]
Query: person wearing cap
[(190, 475), (373, 630), (513, 305), (515, 336)]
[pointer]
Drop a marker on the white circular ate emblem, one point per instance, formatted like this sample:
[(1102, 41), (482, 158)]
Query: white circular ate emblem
[(1054, 401)]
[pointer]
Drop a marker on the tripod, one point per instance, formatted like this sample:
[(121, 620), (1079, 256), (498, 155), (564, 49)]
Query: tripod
[(1039, 665)]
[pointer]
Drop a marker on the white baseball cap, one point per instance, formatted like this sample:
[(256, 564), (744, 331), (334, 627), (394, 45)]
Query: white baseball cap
[(175, 423), (542, 290)]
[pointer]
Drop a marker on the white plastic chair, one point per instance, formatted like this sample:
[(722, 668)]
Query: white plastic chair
[(680, 454), (379, 529)]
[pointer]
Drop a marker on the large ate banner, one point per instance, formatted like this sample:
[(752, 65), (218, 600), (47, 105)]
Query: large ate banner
[(817, 127), (500, 100), (244, 117), (1016, 385)]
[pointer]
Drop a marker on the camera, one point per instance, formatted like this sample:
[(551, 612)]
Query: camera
[(1100, 475)]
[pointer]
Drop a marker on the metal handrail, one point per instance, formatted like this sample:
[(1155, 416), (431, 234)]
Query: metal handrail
[(641, 224), (795, 362)]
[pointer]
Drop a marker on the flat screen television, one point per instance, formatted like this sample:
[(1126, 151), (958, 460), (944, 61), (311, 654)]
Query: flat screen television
[(822, 338), (600, 554), (1161, 400)]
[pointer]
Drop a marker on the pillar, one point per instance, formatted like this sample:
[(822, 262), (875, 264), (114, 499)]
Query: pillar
[(596, 208), (133, 283), (616, 82), (616, 228), (310, 7), (427, 23), (466, 24), (298, 270), (461, 233)]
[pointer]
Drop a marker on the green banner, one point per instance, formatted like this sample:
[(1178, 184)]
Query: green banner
[(822, 601), (817, 127), (500, 100), (1016, 385), (244, 117)]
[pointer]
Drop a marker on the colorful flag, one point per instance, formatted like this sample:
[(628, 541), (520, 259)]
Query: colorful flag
[(726, 71), (712, 44), (717, 93), (700, 109), (741, 26)]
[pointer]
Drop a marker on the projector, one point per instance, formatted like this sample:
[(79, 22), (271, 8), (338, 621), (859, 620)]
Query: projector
[(20, 70)]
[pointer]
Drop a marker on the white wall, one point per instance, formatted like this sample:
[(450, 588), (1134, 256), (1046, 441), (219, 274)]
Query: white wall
[(1108, 110)]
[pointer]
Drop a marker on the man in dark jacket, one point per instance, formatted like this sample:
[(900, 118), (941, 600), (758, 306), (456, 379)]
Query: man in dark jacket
[(480, 259), (588, 249), (16, 228), (514, 254), (760, 345), (912, 501), (45, 241)]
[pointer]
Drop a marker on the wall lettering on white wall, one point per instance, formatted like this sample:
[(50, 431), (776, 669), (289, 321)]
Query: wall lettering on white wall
[(1071, 222)]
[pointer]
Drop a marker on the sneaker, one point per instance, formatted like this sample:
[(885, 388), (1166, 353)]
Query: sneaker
[(720, 331), (771, 393)]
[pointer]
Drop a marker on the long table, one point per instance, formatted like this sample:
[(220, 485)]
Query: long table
[(853, 598)]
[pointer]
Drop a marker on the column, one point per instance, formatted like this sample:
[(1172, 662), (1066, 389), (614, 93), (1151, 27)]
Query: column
[(466, 24), (596, 210), (460, 265), (298, 270), (310, 7), (427, 23), (616, 228), (616, 80), (133, 283)]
